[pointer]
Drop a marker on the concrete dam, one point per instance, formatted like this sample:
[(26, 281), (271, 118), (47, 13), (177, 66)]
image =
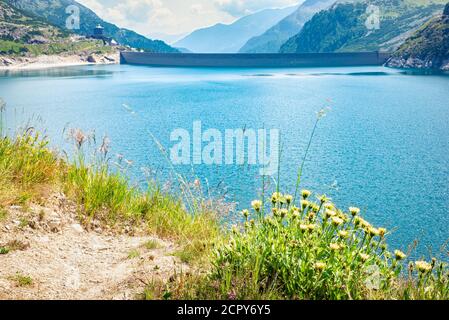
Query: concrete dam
[(238, 60)]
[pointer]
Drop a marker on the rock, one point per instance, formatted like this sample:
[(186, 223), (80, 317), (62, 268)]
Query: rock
[(6, 62), (55, 225), (91, 59), (446, 10), (98, 230), (77, 228), (109, 59), (33, 225), (395, 63)]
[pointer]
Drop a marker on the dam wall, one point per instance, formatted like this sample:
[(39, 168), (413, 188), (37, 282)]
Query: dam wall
[(254, 60)]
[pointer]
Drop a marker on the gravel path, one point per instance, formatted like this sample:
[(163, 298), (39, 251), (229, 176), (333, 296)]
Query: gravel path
[(64, 261)]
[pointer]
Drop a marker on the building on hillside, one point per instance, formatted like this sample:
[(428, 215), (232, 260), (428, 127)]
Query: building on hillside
[(99, 34)]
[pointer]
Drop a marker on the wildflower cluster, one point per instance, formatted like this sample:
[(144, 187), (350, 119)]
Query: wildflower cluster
[(316, 251)]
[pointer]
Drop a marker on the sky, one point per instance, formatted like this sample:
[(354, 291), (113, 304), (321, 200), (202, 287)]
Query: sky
[(176, 17)]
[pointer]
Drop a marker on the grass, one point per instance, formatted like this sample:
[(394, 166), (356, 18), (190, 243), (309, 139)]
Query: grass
[(15, 48), (311, 252), (306, 249), (22, 280), (26, 166), (152, 245), (30, 170), (133, 254), (110, 198), (285, 249), (3, 214), (14, 245)]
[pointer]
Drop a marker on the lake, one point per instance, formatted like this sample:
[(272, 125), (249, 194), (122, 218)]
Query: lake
[(383, 146)]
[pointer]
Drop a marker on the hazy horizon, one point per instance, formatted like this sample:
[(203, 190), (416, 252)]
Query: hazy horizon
[(173, 19)]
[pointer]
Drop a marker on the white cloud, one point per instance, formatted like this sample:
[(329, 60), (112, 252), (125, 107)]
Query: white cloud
[(134, 14), (176, 16), (197, 9)]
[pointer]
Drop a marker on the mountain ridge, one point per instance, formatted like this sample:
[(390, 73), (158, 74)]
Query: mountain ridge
[(427, 48), (342, 27), (229, 38), (54, 12), (272, 39)]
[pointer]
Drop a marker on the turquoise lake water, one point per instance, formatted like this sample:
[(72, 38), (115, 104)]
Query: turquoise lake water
[(384, 146)]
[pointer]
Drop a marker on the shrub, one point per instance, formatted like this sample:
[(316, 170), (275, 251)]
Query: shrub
[(314, 252)]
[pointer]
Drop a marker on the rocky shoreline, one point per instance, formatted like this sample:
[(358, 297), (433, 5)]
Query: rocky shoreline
[(54, 61), (416, 63), (428, 48)]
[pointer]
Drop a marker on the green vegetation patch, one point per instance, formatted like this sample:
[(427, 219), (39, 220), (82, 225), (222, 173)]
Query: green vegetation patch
[(313, 251), (22, 280)]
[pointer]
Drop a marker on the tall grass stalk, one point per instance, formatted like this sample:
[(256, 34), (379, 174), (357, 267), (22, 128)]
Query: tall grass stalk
[(320, 115), (2, 118)]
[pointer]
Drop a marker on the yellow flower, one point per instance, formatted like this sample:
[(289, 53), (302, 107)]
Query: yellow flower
[(315, 208), (359, 222), (288, 198), (282, 200), (245, 213), (366, 224), (320, 266), (382, 232), (311, 227), (342, 216), (373, 231), (305, 194), (399, 255), (364, 257), (329, 213), (275, 211), (303, 227), (329, 206), (283, 213), (257, 205), (311, 216), (423, 266), (354, 211), (343, 234), (336, 221), (276, 197), (335, 247), (304, 204), (322, 198), (295, 214)]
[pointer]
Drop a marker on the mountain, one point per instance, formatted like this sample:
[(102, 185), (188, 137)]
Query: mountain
[(222, 38), (54, 11), (167, 38), (343, 27), (428, 48), (27, 39), (16, 26), (272, 40)]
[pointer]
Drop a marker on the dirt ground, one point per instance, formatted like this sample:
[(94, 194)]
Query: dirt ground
[(51, 256)]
